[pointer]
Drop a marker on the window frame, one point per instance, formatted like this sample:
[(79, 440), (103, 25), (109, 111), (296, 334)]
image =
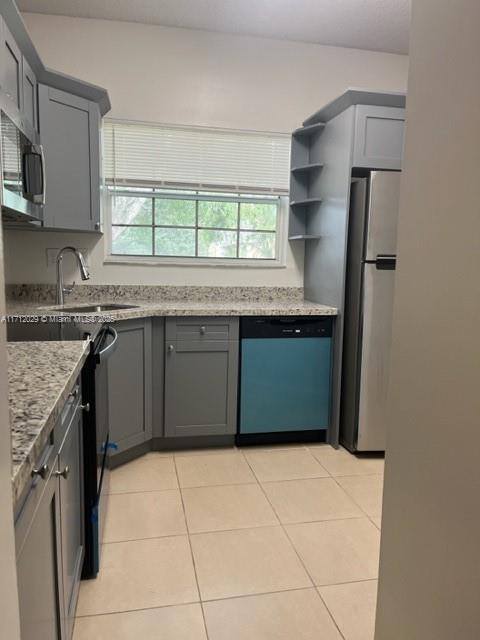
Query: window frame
[(279, 261)]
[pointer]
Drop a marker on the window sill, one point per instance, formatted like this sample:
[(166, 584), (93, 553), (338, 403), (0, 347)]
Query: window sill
[(195, 262)]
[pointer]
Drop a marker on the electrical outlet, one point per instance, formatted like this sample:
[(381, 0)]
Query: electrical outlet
[(52, 257)]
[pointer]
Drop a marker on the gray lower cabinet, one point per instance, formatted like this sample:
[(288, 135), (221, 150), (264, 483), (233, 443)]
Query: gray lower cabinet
[(70, 463), (70, 135), (49, 535), (130, 385), (201, 374), (39, 568)]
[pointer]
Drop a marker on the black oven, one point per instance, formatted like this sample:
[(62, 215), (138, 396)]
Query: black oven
[(23, 173), (96, 445)]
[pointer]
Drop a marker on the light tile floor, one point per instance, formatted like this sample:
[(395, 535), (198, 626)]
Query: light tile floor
[(261, 543)]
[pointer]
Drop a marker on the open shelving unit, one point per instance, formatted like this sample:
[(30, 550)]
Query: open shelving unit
[(307, 168), (305, 191)]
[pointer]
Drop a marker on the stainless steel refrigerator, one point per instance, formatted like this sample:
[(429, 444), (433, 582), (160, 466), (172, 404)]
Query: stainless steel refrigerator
[(371, 260)]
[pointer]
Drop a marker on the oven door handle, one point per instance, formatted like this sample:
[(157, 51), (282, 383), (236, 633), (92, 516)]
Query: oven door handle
[(104, 354)]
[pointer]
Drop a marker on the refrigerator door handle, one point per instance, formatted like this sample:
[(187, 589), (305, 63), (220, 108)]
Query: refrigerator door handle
[(385, 262)]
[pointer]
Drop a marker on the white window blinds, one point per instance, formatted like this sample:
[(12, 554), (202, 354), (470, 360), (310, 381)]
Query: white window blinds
[(149, 154)]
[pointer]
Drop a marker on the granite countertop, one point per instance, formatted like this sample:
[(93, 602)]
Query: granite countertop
[(40, 377), (149, 308), (41, 374)]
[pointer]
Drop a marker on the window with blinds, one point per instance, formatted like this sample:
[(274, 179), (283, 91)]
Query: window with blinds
[(195, 193), (157, 155)]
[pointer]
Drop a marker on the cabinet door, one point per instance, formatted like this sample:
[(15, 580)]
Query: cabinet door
[(70, 134), (200, 387), (130, 385), (29, 95), (70, 464), (38, 570), (378, 137), (11, 68)]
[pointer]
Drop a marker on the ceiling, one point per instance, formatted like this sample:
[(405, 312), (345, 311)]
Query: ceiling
[(377, 25)]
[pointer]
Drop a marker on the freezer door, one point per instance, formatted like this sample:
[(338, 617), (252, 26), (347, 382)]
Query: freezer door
[(375, 357), (381, 231)]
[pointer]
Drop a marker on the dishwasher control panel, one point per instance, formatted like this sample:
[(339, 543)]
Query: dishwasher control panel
[(286, 327)]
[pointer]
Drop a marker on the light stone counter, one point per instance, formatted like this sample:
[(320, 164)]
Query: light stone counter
[(40, 377)]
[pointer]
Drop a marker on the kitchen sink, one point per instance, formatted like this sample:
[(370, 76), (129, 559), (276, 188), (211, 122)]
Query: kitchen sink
[(98, 308)]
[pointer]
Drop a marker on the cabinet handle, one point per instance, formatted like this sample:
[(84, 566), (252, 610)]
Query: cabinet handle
[(85, 407), (41, 471), (203, 330), (74, 393), (64, 473), (171, 348)]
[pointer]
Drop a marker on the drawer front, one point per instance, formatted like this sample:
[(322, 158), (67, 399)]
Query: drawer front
[(191, 329)]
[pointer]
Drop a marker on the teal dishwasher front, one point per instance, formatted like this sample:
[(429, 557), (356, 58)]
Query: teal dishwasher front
[(285, 378)]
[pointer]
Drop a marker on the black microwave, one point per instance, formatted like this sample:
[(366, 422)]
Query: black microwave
[(23, 173)]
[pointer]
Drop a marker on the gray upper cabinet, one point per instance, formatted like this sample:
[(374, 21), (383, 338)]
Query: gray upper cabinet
[(378, 142), (130, 385), (38, 566), (201, 376), (18, 84), (70, 135), (30, 95), (11, 68), (70, 464)]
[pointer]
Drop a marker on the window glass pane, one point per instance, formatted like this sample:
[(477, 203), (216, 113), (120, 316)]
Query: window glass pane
[(131, 210), (136, 241), (174, 242), (180, 213), (256, 245), (258, 216), (217, 244), (217, 214)]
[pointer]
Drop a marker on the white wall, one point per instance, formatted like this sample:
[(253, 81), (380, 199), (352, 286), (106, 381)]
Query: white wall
[(181, 76), (430, 557)]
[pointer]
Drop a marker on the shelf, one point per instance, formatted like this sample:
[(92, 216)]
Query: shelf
[(305, 236), (306, 168), (305, 203), (307, 131)]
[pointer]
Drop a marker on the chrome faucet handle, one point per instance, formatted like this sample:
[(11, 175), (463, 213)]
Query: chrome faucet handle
[(68, 289)]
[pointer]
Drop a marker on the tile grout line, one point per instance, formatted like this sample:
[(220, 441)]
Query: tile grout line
[(114, 613), (368, 516), (298, 555), (191, 553), (176, 488), (330, 613), (236, 597)]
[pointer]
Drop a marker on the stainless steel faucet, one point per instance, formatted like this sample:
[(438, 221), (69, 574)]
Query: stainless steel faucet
[(84, 274)]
